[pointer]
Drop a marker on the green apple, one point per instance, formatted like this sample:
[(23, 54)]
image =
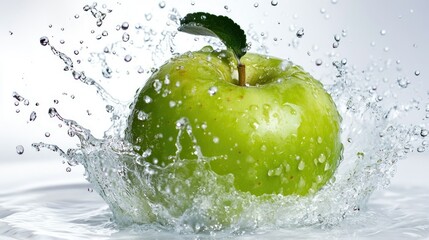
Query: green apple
[(278, 134)]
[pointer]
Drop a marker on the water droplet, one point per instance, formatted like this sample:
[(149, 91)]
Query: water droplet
[(44, 41), (109, 108), (161, 4), (142, 116), (256, 5), (321, 158), (26, 102), (125, 25), (19, 149), (216, 140), (86, 8), (128, 58), (125, 37), (157, 85), (47, 134), (172, 104), (417, 73), (327, 167), (301, 165), (33, 116), (335, 45), (56, 101), (52, 112), (68, 169), (225, 7), (424, 133), (300, 33), (402, 82), (383, 32), (212, 90), (105, 33), (274, 3), (337, 37), (147, 99), (319, 62), (148, 16), (76, 16)]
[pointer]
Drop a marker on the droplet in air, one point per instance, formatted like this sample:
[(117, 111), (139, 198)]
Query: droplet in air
[(128, 58), (274, 3), (337, 37), (335, 45), (33, 116), (125, 37), (301, 165), (68, 169), (109, 108), (256, 5), (47, 134), (125, 25), (300, 33), (161, 4), (142, 116), (383, 32), (44, 41), (319, 62), (417, 73), (19, 149)]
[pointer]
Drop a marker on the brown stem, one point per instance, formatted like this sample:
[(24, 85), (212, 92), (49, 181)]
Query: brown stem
[(241, 74)]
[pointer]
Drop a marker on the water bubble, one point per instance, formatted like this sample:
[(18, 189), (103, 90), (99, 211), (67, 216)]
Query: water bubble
[(335, 45), (417, 73), (68, 169), (17, 111), (321, 158), (33, 116), (125, 25), (421, 149), (47, 134), (19, 149), (212, 90), (319, 62), (140, 70), (157, 85), (128, 58), (105, 33), (56, 101), (274, 3), (26, 102), (76, 52), (161, 4), (383, 32), (148, 16), (226, 7), (334, 1), (322, 10), (424, 133), (44, 41), (256, 5), (216, 140), (125, 37), (300, 33), (109, 108), (86, 8)]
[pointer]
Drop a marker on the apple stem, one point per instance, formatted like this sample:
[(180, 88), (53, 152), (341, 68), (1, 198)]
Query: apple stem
[(241, 74)]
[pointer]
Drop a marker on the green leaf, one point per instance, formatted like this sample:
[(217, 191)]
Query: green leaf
[(222, 27)]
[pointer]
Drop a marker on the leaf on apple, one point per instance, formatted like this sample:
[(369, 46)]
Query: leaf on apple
[(222, 27)]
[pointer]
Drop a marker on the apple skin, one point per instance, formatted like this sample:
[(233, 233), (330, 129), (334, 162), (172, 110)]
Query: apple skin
[(278, 135)]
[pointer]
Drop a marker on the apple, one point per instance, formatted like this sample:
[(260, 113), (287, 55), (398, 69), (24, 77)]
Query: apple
[(277, 134)]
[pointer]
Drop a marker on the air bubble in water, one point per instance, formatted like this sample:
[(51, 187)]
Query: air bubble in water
[(402, 82), (274, 3), (44, 41), (300, 33), (319, 62), (47, 134), (105, 33), (33, 116), (68, 169), (256, 4), (161, 4), (337, 37), (417, 73), (335, 45), (148, 16), (26, 102), (19, 149), (76, 52), (56, 101), (383, 32)]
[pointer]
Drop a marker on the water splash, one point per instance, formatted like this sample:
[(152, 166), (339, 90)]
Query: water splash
[(138, 192)]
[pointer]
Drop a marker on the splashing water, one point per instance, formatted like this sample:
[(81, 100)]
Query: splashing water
[(138, 192)]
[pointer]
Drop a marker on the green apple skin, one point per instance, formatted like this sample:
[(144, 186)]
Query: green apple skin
[(280, 134)]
